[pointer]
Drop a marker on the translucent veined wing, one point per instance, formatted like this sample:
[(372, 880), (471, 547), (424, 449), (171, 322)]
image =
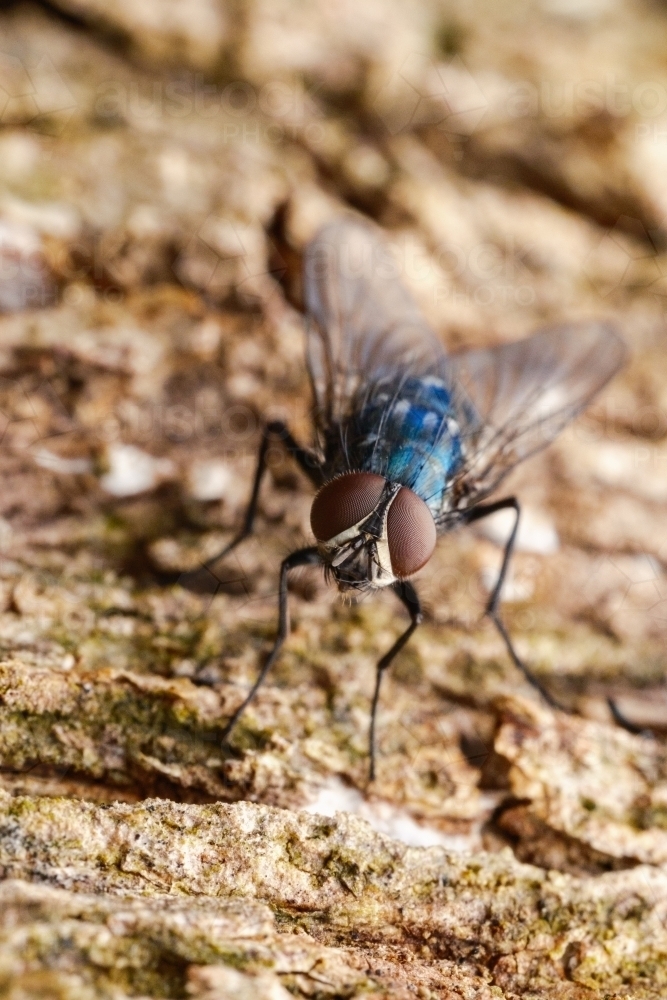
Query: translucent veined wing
[(364, 324), (513, 399)]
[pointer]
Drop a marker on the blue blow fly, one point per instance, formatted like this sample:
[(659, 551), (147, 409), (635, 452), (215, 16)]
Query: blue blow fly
[(409, 442)]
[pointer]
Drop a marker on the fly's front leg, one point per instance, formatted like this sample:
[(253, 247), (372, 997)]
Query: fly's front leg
[(492, 610), (405, 591), (302, 557), (307, 460)]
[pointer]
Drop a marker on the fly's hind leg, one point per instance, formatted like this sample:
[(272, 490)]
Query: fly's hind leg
[(621, 720), (492, 608), (476, 514)]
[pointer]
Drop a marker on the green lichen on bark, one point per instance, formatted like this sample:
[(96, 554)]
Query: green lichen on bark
[(338, 882)]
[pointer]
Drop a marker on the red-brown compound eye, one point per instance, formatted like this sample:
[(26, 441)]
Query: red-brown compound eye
[(344, 502), (411, 533)]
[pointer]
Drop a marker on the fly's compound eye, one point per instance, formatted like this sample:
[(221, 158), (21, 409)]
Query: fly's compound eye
[(411, 533), (343, 502)]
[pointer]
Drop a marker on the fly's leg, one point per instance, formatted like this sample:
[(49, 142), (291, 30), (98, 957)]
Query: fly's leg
[(408, 595), (625, 723), (302, 557), (492, 610), (306, 460)]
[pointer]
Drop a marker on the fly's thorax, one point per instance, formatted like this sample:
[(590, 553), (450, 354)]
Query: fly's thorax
[(371, 531)]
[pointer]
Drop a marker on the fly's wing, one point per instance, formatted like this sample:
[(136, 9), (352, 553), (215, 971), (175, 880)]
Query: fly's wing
[(512, 400), (367, 339), (363, 324)]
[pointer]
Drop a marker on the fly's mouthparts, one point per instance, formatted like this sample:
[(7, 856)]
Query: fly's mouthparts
[(340, 557), (346, 551)]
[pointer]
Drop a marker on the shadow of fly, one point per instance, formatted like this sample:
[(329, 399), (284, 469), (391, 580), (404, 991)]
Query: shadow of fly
[(409, 442)]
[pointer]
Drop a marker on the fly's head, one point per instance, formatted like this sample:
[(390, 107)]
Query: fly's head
[(370, 531)]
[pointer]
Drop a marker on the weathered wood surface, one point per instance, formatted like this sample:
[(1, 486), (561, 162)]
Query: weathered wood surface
[(161, 169)]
